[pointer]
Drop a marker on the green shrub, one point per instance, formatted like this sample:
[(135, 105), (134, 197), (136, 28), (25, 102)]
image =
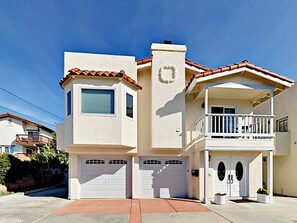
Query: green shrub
[(221, 194), (4, 166), (48, 166), (262, 191)]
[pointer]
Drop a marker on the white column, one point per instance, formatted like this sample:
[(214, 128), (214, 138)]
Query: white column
[(270, 173), (271, 111), (206, 155), (206, 111), (73, 177)]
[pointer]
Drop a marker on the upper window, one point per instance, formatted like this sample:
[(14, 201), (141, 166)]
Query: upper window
[(129, 105), (69, 103), (282, 125), (97, 101)]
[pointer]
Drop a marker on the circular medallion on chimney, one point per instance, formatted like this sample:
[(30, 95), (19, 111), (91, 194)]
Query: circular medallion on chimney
[(167, 74)]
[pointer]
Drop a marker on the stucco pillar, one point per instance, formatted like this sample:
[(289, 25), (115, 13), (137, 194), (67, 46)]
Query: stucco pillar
[(135, 177), (206, 155), (73, 181), (270, 173)]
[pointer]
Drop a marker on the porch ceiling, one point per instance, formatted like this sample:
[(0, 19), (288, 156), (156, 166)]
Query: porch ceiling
[(230, 93)]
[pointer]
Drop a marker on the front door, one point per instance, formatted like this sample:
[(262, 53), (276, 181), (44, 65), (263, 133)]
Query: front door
[(231, 175)]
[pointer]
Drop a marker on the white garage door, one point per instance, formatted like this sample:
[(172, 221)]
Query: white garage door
[(105, 177), (163, 177)]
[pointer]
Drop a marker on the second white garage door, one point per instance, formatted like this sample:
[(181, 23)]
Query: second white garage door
[(163, 177), (105, 177)]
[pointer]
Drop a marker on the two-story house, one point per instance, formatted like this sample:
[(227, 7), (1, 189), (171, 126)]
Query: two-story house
[(285, 157), (165, 126), (21, 136)]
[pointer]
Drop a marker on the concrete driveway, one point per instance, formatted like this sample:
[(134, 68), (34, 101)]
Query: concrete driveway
[(52, 206), (20, 208)]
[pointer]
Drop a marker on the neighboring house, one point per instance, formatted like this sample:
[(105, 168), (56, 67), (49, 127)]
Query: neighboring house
[(172, 128), (21, 136), (285, 153)]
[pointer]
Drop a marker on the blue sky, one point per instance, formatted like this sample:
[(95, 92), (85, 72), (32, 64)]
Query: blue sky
[(35, 34)]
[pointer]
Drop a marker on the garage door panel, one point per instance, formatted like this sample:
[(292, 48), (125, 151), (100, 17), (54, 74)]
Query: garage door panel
[(92, 193), (165, 178), (105, 178)]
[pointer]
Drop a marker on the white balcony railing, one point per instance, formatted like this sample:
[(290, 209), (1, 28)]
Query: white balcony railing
[(235, 126)]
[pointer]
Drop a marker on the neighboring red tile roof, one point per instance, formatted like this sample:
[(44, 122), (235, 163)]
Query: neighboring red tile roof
[(235, 66), (26, 120), (191, 63), (92, 73), (199, 66), (144, 60)]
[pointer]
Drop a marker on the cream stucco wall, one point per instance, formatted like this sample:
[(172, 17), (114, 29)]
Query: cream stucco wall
[(284, 174)]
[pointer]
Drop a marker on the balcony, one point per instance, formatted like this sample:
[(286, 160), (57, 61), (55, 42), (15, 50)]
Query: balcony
[(238, 126), (28, 139)]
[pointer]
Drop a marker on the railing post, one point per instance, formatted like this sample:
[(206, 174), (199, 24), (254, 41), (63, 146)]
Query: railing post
[(239, 126)]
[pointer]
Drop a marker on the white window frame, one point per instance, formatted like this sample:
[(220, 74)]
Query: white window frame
[(97, 88), (71, 104), (282, 119), (125, 104)]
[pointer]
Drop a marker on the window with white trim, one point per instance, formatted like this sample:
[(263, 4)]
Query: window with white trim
[(282, 125), (10, 149), (129, 105), (98, 101), (69, 102)]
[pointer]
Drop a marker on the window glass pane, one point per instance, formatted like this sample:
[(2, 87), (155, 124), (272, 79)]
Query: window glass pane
[(283, 125), (221, 171), (12, 149), (129, 104), (97, 101), (7, 149), (239, 171), (69, 103)]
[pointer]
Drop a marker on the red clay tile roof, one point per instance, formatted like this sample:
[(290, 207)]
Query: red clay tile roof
[(191, 63), (26, 120), (144, 60), (197, 65), (92, 73), (235, 66)]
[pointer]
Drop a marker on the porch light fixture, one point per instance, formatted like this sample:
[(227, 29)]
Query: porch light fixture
[(203, 105), (209, 157)]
